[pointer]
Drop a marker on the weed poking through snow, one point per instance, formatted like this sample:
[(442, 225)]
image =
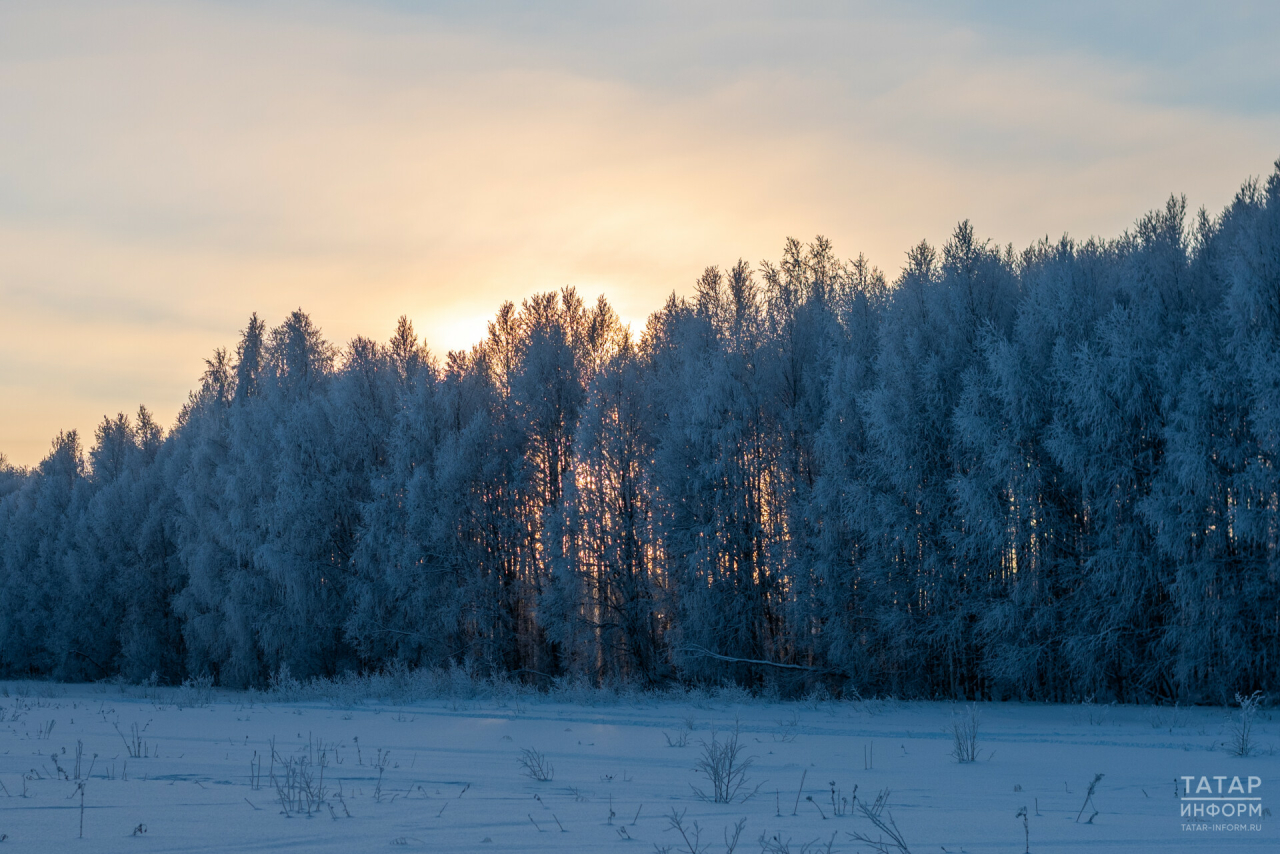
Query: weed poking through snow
[(890, 838), (1241, 728), (725, 769), (964, 734), (1088, 799), (536, 766)]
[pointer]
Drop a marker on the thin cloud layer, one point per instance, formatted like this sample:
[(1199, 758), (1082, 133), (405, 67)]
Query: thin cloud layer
[(166, 169)]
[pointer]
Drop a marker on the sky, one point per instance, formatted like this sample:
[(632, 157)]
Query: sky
[(167, 169)]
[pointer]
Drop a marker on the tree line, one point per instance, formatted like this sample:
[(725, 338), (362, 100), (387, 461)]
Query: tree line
[(1047, 474)]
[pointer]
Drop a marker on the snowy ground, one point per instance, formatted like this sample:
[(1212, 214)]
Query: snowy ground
[(450, 778)]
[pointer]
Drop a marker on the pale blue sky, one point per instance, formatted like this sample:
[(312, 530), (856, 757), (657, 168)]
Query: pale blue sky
[(167, 168)]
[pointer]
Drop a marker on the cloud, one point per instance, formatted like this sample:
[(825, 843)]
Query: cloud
[(166, 169)]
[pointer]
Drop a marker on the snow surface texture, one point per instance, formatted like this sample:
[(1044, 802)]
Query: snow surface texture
[(446, 775)]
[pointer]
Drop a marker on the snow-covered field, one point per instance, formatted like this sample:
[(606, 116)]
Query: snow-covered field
[(194, 771)]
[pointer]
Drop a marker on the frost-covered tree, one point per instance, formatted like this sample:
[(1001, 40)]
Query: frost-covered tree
[(718, 475), (39, 519), (1047, 475), (602, 606)]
